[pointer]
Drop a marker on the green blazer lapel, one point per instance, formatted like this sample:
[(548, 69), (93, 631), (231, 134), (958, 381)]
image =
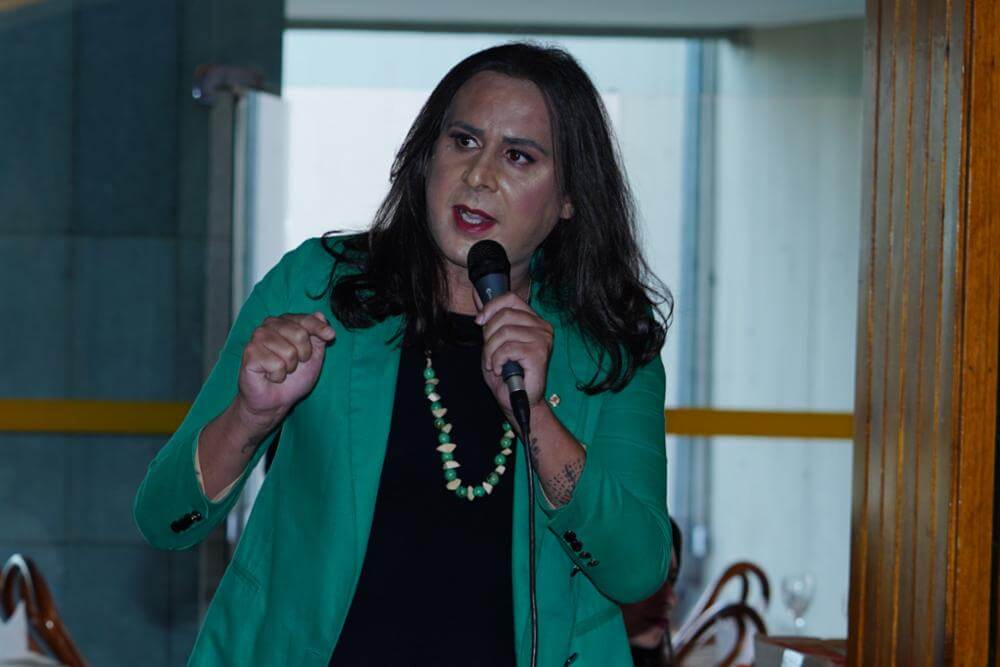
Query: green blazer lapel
[(374, 364)]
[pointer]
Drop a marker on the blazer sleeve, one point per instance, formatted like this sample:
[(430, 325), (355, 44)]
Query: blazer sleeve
[(171, 509), (617, 518)]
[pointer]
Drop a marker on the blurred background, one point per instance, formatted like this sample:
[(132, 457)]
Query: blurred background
[(156, 157)]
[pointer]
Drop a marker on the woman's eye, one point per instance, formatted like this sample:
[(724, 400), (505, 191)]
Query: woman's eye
[(519, 157), (463, 140)]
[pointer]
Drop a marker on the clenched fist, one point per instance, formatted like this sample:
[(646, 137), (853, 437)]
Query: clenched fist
[(281, 364)]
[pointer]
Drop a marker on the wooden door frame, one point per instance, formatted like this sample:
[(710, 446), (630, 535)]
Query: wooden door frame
[(929, 299)]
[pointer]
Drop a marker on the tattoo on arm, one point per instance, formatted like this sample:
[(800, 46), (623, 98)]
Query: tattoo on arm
[(534, 450), (559, 487), (251, 445), (562, 484)]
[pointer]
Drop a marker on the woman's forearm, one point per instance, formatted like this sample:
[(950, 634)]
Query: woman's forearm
[(557, 456), (227, 444)]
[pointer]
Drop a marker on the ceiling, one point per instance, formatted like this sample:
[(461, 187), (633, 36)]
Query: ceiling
[(650, 15)]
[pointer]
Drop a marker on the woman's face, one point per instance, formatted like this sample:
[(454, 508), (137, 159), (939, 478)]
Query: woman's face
[(493, 174)]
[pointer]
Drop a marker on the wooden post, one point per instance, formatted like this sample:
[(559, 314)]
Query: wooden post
[(926, 380)]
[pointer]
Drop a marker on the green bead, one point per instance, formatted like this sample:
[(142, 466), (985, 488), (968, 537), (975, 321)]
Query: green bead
[(450, 474), (447, 456), (428, 389), (460, 492), (505, 443), (428, 373), (493, 478), (436, 405), (439, 423), (479, 492), (443, 437), (505, 427), (500, 459)]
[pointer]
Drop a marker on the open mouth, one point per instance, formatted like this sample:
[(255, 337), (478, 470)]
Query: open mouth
[(472, 220)]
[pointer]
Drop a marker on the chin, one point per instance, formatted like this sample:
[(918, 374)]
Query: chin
[(455, 245), (452, 247)]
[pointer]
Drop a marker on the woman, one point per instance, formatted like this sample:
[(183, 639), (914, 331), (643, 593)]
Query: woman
[(391, 528)]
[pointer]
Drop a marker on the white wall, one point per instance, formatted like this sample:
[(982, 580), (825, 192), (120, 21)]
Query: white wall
[(788, 203)]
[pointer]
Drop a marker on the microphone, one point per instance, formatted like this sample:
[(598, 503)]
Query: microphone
[(489, 271)]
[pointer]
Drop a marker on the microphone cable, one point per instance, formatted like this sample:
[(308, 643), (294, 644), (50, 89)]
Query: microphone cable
[(523, 422), (489, 272)]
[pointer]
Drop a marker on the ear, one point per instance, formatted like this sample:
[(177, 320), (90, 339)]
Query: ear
[(566, 212)]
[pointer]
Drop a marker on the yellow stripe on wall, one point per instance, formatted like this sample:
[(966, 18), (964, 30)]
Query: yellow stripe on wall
[(162, 418), (83, 416), (698, 422)]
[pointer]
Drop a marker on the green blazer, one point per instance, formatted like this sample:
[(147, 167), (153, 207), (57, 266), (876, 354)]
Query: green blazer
[(285, 595)]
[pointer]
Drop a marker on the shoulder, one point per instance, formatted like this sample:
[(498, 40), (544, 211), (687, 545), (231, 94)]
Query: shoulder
[(586, 360), (314, 259), (572, 354), (316, 254), (304, 271)]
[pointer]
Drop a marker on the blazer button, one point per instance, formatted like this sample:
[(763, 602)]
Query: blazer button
[(569, 536), (584, 555), (576, 545), (571, 659), (593, 563), (185, 522)]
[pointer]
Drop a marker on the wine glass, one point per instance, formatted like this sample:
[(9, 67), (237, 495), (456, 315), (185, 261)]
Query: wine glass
[(797, 592)]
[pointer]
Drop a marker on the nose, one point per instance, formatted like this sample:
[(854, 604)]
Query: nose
[(479, 174)]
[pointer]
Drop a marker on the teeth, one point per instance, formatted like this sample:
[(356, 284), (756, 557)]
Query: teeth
[(471, 218)]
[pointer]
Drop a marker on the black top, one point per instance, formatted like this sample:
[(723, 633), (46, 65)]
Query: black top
[(435, 587)]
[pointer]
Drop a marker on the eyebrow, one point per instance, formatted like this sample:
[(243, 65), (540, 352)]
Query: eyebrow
[(513, 141)]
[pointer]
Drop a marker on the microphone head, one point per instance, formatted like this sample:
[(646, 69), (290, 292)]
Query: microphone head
[(486, 257)]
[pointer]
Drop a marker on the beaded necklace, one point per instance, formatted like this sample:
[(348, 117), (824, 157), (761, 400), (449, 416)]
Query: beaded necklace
[(447, 447)]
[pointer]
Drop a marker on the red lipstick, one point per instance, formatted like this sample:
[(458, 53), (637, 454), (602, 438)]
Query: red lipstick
[(471, 220)]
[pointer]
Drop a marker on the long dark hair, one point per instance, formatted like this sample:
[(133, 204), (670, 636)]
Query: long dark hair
[(589, 268)]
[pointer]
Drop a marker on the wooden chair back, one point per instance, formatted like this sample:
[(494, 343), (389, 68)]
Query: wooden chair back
[(710, 611), (22, 581), (745, 618), (742, 571)]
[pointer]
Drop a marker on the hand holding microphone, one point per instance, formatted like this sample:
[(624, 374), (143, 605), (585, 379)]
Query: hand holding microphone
[(517, 343)]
